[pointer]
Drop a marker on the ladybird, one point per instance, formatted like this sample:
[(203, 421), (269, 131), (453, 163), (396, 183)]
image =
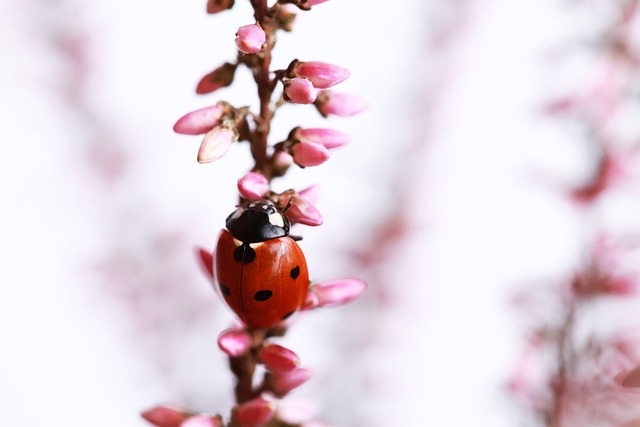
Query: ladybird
[(261, 271)]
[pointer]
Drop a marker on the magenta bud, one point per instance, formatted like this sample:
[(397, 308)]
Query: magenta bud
[(254, 412), (303, 212), (202, 421), (166, 416), (253, 186), (234, 342), (309, 154), (310, 194), (321, 74), (330, 138), (278, 359), (299, 91), (338, 291), (216, 143), (200, 121), (218, 78), (215, 6), (339, 104), (250, 38), (284, 382)]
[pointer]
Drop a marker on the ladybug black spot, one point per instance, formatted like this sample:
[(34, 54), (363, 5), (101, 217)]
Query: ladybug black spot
[(263, 295), (244, 254), (225, 289), (286, 316), (295, 272)]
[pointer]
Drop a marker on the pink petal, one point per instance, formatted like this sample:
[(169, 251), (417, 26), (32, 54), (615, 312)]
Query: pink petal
[(322, 74), (206, 258), (338, 291), (284, 382), (234, 342), (330, 138), (299, 91), (216, 143), (199, 121), (302, 212), (278, 359), (307, 154), (253, 186), (166, 416), (339, 104), (250, 38), (202, 421), (254, 412), (314, 2), (218, 78)]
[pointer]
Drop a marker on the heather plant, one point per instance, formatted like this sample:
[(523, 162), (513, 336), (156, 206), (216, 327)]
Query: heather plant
[(578, 369), (265, 371)]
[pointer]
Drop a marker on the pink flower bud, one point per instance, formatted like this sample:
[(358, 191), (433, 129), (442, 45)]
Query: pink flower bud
[(330, 138), (253, 186), (302, 212), (200, 121), (310, 194), (206, 258), (234, 342), (630, 379), (166, 416), (309, 154), (278, 359), (202, 421), (218, 78), (216, 143), (215, 6), (338, 291), (284, 382), (321, 74), (314, 2), (339, 104), (250, 38), (254, 412), (299, 91)]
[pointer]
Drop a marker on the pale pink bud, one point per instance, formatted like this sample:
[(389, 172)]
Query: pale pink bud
[(253, 186), (206, 258), (322, 74), (311, 194), (314, 2), (254, 412), (250, 38), (234, 342), (284, 382), (202, 421), (218, 78), (200, 121), (338, 291), (299, 91), (339, 104), (630, 379), (330, 138), (166, 416), (216, 143), (309, 154), (300, 211), (278, 359), (215, 6)]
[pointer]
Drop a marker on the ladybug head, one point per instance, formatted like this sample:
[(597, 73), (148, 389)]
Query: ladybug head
[(258, 222)]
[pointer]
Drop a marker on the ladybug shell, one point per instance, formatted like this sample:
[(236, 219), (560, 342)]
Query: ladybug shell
[(263, 283)]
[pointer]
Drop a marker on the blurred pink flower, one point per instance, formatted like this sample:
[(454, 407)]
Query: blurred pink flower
[(339, 104), (234, 342), (250, 38), (166, 415), (336, 292), (255, 412), (299, 91), (283, 382), (253, 186), (278, 359)]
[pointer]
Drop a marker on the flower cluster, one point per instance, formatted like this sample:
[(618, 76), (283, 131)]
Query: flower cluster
[(258, 401), (566, 366)]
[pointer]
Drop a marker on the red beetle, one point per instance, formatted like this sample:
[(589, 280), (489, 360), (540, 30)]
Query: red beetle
[(260, 270)]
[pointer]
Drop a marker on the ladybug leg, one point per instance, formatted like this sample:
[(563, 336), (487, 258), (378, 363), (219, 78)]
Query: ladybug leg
[(296, 238)]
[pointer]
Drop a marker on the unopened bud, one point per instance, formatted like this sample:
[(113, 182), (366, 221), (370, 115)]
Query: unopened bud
[(301, 211), (200, 121), (339, 104), (216, 143), (284, 382), (250, 38), (254, 412), (278, 359), (338, 291), (323, 75), (218, 78), (253, 186), (299, 91), (330, 138), (309, 154), (234, 342), (166, 416), (202, 421)]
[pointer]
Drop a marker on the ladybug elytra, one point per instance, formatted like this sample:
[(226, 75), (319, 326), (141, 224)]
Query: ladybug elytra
[(261, 271)]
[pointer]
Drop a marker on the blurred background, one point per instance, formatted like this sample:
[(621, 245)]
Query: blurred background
[(447, 202)]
